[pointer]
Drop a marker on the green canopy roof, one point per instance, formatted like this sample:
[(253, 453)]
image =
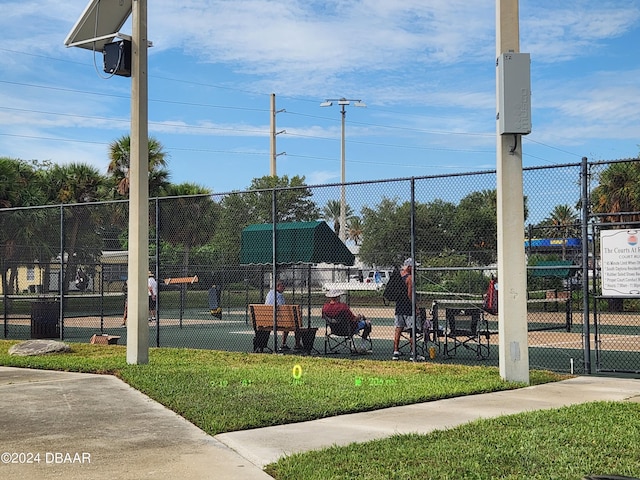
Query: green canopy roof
[(297, 242), (554, 269)]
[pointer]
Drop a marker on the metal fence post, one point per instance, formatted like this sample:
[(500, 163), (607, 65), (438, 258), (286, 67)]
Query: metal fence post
[(413, 268), (584, 180)]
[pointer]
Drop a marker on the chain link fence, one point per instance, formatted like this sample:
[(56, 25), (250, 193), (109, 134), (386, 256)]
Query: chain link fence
[(64, 268)]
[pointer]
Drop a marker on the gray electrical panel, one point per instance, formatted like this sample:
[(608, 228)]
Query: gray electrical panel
[(514, 93)]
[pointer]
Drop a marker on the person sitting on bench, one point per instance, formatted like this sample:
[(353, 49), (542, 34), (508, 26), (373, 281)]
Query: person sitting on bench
[(276, 297)]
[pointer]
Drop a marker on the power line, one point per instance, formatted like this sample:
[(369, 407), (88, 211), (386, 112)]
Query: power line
[(234, 107)]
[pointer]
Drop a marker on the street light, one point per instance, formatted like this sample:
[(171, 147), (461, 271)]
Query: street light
[(343, 102)]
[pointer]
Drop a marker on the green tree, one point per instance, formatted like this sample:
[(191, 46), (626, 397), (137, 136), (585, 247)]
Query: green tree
[(293, 200), (354, 229), (617, 197), (384, 233), (234, 217), (24, 234), (76, 184), (120, 160), (562, 223), (187, 218), (331, 214), (387, 230), (476, 225)]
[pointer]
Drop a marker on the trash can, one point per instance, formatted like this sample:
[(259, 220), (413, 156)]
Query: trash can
[(45, 316), (261, 340), (308, 338)]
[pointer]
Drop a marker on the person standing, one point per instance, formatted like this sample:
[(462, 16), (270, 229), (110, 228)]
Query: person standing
[(404, 314), (153, 294), (277, 297), (126, 304)]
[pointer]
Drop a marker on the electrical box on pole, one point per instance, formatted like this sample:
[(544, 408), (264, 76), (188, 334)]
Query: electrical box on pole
[(117, 58), (514, 100)]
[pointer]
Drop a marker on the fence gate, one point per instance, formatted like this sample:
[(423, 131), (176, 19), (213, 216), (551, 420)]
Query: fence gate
[(615, 286)]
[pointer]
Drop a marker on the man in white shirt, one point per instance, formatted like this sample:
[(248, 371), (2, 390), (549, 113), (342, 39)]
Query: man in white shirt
[(278, 296), (153, 293)]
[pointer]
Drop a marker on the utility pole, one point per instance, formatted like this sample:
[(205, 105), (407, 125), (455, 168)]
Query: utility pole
[(273, 132), (97, 26), (512, 270), (273, 135), (138, 297)]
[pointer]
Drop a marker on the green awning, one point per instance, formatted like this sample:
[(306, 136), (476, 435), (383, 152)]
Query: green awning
[(553, 269), (297, 242)]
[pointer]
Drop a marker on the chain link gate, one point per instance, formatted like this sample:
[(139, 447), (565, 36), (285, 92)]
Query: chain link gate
[(615, 319)]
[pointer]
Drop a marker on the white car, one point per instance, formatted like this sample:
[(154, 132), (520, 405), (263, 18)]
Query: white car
[(378, 276)]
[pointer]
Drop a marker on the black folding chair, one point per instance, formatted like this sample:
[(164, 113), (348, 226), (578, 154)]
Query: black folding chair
[(466, 328), (339, 337)]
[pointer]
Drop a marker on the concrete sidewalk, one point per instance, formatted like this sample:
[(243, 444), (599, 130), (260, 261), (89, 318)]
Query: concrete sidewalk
[(86, 426), (266, 445), (95, 426)]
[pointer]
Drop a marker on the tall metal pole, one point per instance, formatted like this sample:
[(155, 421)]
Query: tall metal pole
[(343, 179), (343, 102), (512, 271), (584, 181), (273, 135), (137, 328)]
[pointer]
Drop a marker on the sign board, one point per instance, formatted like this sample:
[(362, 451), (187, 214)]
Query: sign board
[(620, 263)]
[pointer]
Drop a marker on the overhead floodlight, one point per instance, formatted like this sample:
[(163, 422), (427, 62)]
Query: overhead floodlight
[(343, 101), (326, 104), (359, 104), (99, 24)]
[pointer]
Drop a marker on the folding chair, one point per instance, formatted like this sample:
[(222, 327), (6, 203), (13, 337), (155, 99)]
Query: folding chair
[(339, 336), (466, 328), (404, 347)]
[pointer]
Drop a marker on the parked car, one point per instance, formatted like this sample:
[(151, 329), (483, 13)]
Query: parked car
[(378, 276)]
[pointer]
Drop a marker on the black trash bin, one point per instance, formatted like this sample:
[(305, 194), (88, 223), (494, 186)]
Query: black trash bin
[(45, 316), (261, 340), (308, 338)]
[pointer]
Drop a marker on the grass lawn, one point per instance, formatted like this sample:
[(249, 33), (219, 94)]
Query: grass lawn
[(568, 443), (227, 391), (222, 391)]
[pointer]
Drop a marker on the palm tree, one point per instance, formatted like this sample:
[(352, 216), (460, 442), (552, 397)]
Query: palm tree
[(331, 213), (188, 218), (119, 163), (354, 229), (563, 218), (24, 234), (618, 193), (78, 183)]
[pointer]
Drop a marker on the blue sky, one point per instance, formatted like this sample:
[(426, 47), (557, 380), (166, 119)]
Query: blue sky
[(426, 71)]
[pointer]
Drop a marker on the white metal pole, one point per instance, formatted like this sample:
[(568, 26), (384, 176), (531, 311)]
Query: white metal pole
[(138, 308), (343, 193), (512, 272)]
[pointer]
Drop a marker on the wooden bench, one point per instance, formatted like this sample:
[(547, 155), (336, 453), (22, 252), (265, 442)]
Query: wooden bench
[(181, 280), (289, 319)]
